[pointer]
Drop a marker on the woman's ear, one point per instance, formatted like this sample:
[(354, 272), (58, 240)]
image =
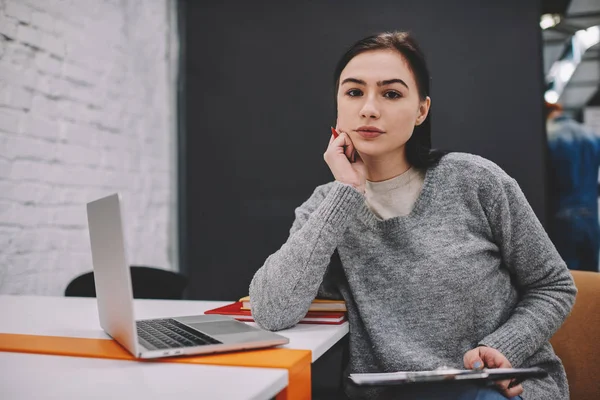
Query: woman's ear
[(423, 110)]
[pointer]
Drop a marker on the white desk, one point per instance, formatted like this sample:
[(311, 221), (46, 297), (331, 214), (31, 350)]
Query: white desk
[(78, 317), (44, 377)]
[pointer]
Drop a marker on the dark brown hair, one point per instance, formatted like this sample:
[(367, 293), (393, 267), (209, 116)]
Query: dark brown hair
[(418, 147)]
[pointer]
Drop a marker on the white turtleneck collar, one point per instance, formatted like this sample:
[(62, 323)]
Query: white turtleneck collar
[(396, 196)]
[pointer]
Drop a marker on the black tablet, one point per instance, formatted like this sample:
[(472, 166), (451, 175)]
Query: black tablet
[(446, 375)]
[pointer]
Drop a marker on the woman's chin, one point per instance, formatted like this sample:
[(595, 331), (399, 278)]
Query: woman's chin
[(371, 151), (376, 149)]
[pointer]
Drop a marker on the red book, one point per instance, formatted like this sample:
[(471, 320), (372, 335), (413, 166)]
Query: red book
[(317, 317)]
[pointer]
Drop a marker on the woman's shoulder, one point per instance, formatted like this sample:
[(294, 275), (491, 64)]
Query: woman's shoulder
[(467, 175), (470, 166)]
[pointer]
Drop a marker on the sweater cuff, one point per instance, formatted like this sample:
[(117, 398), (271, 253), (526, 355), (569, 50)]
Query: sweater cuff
[(341, 202), (515, 346)]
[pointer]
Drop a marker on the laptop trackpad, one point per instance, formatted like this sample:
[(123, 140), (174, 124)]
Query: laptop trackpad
[(221, 327)]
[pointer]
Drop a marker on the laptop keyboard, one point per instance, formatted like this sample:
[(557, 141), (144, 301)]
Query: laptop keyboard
[(168, 333)]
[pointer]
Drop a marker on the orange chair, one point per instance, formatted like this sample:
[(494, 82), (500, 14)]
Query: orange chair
[(577, 342)]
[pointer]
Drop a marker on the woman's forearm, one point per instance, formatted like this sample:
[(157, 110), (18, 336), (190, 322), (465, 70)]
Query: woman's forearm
[(283, 288)]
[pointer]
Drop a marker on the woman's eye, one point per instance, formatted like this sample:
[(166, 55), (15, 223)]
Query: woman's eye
[(354, 93), (392, 95)]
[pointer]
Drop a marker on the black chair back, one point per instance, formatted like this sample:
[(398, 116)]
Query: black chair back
[(147, 283)]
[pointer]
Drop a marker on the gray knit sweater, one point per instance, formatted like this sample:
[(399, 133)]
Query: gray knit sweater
[(470, 265)]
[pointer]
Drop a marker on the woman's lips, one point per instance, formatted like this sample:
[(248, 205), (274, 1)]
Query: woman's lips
[(368, 134)]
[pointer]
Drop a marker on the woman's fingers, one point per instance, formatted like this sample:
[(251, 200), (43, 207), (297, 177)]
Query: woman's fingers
[(472, 360), (493, 358), (503, 386), (339, 156), (511, 392), (342, 144), (348, 146)]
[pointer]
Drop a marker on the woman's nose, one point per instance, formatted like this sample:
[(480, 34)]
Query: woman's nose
[(369, 109)]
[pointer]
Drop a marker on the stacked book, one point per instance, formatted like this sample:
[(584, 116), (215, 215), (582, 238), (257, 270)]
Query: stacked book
[(321, 311)]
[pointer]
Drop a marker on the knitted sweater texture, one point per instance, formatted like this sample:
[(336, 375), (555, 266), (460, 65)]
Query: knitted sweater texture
[(469, 265)]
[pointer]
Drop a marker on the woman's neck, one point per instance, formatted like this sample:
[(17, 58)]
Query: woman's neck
[(384, 167)]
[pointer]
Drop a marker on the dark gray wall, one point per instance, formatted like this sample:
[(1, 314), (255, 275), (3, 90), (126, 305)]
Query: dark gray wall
[(258, 102)]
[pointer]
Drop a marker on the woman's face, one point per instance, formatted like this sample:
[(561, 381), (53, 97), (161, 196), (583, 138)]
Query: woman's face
[(378, 102)]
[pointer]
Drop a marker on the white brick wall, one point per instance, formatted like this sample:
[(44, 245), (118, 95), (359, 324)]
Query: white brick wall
[(86, 109)]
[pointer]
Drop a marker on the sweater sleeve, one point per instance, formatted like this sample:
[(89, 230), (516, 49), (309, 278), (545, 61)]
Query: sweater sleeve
[(545, 285), (282, 290)]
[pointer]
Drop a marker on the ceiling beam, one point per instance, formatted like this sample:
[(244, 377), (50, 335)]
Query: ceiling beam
[(582, 84), (595, 14)]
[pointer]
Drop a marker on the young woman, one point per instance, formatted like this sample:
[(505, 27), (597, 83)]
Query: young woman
[(439, 257)]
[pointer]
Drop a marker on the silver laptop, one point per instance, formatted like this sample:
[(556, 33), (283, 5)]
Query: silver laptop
[(200, 334)]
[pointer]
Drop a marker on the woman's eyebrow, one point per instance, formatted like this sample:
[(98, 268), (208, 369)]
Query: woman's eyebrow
[(380, 83), (354, 80), (390, 81)]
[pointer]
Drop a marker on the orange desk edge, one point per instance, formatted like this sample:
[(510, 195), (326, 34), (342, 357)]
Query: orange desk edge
[(297, 362)]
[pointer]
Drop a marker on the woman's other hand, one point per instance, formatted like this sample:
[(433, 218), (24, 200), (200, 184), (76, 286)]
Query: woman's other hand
[(487, 357), (345, 163)]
